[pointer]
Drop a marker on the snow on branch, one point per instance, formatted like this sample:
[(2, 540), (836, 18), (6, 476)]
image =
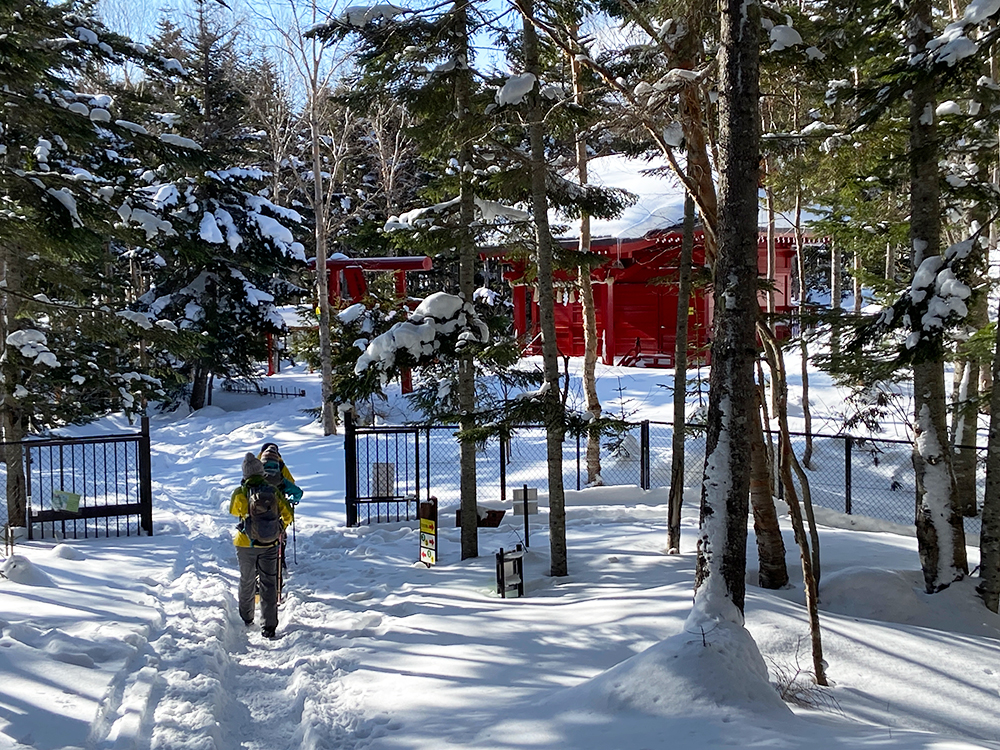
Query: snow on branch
[(359, 16), (32, 345), (954, 43), (429, 216), (438, 318), (515, 89), (936, 301)]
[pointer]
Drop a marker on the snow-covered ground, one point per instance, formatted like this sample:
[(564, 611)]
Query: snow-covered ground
[(136, 643)]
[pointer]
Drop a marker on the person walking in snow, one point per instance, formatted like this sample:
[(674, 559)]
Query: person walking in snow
[(264, 513), (278, 474)]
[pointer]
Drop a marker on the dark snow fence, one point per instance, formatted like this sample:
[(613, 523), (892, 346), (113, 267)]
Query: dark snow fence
[(88, 487), (390, 468)]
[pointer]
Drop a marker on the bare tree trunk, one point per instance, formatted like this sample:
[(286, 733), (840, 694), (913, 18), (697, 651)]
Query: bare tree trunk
[(989, 538), (592, 402), (676, 497), (966, 415), (690, 53), (555, 426), (199, 387), (328, 408), (11, 415), (965, 389), (772, 571), (722, 548), (467, 281), (803, 345), (857, 284), (836, 297), (809, 559), (772, 254), (940, 533)]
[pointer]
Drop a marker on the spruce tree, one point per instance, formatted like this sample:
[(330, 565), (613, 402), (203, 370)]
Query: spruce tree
[(224, 262), (70, 156)]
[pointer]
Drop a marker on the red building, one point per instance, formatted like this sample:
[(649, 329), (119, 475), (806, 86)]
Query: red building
[(635, 296)]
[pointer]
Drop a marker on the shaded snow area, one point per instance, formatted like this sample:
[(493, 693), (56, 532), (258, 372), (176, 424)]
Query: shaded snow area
[(137, 643)]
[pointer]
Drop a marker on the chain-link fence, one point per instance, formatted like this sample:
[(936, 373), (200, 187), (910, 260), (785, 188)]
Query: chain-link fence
[(861, 476)]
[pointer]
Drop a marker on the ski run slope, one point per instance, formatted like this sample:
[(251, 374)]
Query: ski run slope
[(136, 642)]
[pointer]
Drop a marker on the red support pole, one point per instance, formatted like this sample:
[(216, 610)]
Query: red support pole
[(610, 342)]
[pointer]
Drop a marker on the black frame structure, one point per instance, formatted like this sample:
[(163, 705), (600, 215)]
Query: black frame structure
[(110, 473), (382, 473)]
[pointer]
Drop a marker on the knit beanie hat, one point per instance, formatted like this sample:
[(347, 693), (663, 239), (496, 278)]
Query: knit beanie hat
[(252, 466), (270, 454)]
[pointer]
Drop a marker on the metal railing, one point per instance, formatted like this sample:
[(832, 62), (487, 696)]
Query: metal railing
[(87, 487), (868, 476), (252, 388)]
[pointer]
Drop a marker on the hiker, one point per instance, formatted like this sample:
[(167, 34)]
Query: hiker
[(264, 513), (277, 473)]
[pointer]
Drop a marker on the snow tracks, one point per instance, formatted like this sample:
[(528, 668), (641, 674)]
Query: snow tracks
[(207, 682)]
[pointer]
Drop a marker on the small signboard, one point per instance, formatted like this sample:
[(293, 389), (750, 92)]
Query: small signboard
[(510, 572), (67, 501), (428, 531)]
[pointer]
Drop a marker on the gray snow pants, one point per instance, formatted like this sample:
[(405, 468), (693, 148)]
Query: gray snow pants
[(259, 564)]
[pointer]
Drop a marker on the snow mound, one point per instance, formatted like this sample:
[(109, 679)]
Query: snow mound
[(21, 570), (718, 674), (898, 596), (68, 553)]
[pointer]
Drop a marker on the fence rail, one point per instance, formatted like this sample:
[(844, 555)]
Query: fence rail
[(868, 476), (91, 487), (233, 386)]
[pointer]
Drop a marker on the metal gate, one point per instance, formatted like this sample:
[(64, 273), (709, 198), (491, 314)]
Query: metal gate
[(88, 487), (382, 468)]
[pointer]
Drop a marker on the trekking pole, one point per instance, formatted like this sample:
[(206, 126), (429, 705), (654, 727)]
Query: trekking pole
[(295, 553)]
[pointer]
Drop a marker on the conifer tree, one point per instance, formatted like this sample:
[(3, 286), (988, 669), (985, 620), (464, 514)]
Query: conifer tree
[(69, 160), (223, 262)]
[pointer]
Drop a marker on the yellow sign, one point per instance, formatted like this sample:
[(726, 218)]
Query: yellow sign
[(427, 526)]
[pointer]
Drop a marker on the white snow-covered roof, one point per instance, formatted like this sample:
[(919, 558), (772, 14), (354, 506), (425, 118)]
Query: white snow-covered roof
[(660, 204)]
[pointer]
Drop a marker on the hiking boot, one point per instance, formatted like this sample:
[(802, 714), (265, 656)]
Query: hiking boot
[(267, 632), (248, 623)]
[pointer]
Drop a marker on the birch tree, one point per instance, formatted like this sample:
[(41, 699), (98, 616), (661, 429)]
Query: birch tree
[(940, 534), (316, 66)]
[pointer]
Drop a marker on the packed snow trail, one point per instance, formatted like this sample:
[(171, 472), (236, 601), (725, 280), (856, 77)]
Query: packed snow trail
[(207, 681), (204, 680)]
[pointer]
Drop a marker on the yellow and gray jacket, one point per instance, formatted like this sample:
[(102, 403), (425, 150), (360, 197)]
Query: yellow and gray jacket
[(239, 507)]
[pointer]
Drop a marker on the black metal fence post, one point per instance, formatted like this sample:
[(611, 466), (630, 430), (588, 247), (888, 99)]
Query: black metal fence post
[(848, 444), (644, 454), (145, 479), (503, 469), (26, 452), (578, 461), (350, 470)]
